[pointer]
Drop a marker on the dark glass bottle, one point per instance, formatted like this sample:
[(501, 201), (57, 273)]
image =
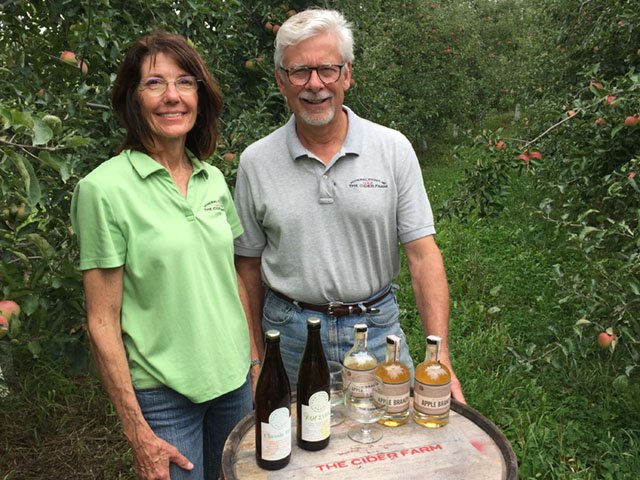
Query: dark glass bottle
[(313, 398), (273, 408)]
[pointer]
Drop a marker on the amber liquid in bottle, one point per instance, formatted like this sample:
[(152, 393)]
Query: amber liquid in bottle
[(273, 408), (432, 388), (396, 377), (359, 363), (313, 394)]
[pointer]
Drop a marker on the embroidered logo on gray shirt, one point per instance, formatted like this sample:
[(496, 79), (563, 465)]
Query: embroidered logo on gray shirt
[(368, 183)]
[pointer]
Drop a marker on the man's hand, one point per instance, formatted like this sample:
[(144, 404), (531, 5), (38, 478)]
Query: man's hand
[(456, 389), (152, 457)]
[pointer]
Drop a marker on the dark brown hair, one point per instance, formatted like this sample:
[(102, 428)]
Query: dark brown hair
[(202, 138)]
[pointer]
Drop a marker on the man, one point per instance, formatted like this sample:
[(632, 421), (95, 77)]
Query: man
[(324, 201)]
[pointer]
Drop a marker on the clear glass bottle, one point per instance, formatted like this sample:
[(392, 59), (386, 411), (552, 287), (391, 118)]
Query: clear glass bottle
[(359, 364), (396, 390), (273, 408), (313, 394), (432, 388)]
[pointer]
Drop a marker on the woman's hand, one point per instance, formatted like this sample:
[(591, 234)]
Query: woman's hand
[(152, 456)]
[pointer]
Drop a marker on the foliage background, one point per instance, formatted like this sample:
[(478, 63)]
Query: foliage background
[(456, 77)]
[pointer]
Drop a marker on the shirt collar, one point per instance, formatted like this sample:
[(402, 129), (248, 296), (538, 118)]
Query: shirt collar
[(145, 166), (352, 142)]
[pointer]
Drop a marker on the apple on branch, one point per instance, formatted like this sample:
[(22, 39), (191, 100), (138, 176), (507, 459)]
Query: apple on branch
[(606, 338)]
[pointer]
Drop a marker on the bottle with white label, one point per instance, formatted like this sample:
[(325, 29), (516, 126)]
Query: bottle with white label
[(273, 408), (313, 405), (432, 388), (359, 364), (396, 385)]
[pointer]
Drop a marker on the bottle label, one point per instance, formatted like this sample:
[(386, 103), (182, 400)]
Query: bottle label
[(276, 435), (316, 417), (362, 381), (396, 396), (432, 399)]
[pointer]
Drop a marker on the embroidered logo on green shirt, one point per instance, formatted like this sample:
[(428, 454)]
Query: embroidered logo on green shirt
[(213, 206)]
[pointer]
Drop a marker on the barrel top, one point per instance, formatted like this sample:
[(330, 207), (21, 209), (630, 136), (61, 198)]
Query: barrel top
[(469, 447)]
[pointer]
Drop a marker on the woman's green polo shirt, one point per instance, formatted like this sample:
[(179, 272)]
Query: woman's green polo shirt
[(183, 325)]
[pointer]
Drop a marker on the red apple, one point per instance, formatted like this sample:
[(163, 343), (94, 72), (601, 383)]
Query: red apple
[(4, 326), (83, 65), (631, 121), (572, 113), (276, 27), (68, 57), (229, 157), (525, 158), (600, 121), (268, 26), (597, 85), (291, 13), (9, 308), (605, 339), (536, 155), (611, 100), (501, 145)]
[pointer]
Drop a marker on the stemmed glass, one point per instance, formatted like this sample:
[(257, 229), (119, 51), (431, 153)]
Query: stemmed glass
[(337, 392), (365, 404)]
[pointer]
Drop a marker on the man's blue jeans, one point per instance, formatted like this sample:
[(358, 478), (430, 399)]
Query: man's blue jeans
[(197, 430), (336, 332)]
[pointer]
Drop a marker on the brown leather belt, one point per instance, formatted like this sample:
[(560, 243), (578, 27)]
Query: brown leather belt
[(338, 309)]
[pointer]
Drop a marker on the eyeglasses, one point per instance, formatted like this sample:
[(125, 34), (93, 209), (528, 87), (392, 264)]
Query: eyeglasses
[(186, 84), (300, 76)]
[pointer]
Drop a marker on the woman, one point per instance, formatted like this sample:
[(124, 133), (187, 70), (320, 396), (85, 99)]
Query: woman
[(155, 225)]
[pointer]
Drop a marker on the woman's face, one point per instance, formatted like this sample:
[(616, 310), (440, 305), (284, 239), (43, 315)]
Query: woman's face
[(170, 114)]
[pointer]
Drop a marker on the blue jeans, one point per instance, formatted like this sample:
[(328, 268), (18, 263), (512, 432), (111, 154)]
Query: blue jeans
[(197, 430), (336, 332)]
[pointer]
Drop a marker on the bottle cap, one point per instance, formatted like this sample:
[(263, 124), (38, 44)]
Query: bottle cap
[(434, 340), (393, 339), (313, 322), (272, 335)]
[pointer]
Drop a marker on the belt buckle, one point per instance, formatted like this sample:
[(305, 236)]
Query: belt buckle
[(333, 305)]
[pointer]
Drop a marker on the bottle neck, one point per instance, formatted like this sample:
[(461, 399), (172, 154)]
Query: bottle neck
[(360, 342), (432, 354), (393, 353), (272, 350)]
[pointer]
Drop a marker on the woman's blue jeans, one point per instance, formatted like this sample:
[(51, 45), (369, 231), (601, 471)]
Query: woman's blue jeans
[(336, 332), (197, 430)]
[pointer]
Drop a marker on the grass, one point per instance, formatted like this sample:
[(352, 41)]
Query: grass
[(513, 348)]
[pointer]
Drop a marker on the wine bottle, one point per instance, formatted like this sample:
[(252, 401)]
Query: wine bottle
[(396, 389), (432, 389), (273, 408), (313, 395), (359, 364)]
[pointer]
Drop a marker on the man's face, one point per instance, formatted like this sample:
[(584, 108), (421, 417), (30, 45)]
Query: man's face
[(315, 103)]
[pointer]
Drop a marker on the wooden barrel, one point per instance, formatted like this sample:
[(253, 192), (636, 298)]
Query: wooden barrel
[(469, 447)]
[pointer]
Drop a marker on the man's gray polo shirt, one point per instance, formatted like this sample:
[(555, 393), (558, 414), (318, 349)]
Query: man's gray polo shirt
[(330, 233)]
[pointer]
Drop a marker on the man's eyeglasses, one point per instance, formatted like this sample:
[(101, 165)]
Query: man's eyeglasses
[(299, 76), (157, 86)]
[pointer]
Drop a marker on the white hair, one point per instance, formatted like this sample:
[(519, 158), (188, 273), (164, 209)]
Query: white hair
[(310, 23)]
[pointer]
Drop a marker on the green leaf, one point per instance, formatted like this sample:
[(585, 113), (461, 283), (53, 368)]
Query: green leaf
[(35, 348), (49, 160), (75, 141), (41, 132), (45, 248), (586, 231), (23, 119), (31, 183), (583, 322)]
